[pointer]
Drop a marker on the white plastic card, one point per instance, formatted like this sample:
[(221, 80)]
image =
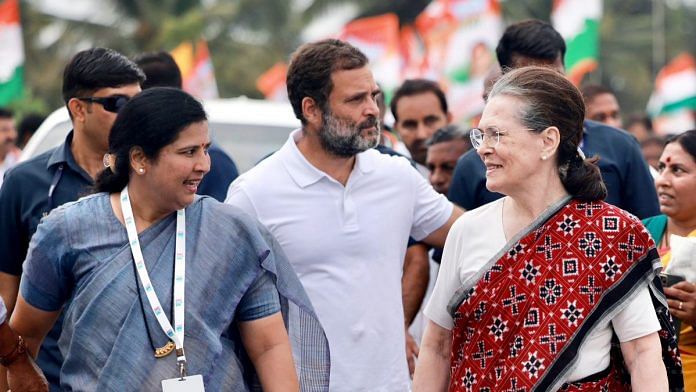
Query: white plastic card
[(187, 384)]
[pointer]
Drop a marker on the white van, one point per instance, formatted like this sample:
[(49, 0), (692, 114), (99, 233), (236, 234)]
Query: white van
[(247, 129)]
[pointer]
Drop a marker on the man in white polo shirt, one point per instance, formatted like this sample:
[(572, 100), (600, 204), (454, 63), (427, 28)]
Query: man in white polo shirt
[(343, 213)]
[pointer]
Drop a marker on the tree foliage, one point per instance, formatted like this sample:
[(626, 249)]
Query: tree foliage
[(246, 37)]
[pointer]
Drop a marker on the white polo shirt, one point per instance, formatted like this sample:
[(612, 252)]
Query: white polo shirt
[(347, 245)]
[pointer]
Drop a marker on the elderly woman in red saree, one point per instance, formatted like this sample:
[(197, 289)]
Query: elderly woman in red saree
[(548, 288)]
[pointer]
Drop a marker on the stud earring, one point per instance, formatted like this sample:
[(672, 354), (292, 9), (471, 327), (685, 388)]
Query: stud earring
[(141, 170), (543, 157)]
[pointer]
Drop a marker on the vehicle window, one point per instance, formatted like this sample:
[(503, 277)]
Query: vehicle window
[(247, 144), (53, 138)]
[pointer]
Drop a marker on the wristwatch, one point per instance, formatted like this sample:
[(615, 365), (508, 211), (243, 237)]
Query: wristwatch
[(17, 351)]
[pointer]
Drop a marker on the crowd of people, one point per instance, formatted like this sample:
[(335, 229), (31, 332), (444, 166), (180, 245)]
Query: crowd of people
[(430, 257)]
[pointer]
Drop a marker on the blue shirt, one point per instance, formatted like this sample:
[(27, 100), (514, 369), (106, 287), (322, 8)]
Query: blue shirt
[(24, 201), (222, 172), (624, 171)]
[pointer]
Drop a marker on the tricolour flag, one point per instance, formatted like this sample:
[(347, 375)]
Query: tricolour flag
[(196, 68), (673, 102), (578, 23), (11, 53)]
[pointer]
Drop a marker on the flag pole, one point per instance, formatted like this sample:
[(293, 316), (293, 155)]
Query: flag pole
[(658, 19)]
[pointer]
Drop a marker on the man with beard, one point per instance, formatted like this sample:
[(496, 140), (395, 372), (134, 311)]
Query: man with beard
[(419, 107), (343, 212)]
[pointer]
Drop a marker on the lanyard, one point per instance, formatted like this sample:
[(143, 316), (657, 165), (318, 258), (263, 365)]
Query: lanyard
[(57, 175), (179, 274)]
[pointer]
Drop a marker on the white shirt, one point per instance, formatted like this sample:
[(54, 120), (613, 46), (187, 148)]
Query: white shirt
[(347, 245), (476, 237)]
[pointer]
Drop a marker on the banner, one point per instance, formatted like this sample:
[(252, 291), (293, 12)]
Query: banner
[(378, 38), (460, 37), (578, 23), (451, 42), (673, 102), (196, 67), (11, 53)]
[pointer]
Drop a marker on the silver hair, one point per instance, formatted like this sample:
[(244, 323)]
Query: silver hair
[(529, 115)]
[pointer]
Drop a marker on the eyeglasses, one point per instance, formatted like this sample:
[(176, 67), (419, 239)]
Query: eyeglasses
[(490, 136), (111, 104)]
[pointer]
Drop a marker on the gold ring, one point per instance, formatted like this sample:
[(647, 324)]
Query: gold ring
[(680, 305)]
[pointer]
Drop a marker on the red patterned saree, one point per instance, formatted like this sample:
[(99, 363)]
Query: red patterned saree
[(519, 323)]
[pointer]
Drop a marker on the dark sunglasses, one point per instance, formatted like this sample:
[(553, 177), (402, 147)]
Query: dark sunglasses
[(112, 104)]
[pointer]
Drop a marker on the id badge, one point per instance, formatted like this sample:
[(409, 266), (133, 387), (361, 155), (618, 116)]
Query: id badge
[(187, 384)]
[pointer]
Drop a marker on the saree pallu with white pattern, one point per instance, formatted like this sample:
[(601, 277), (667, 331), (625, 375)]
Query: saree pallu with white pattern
[(519, 322)]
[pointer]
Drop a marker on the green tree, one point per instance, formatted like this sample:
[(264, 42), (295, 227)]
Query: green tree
[(246, 37)]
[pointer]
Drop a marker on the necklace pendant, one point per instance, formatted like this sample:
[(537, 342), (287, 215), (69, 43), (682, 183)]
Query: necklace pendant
[(165, 350)]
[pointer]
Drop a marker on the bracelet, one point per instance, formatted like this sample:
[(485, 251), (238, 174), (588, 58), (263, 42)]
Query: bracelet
[(16, 352)]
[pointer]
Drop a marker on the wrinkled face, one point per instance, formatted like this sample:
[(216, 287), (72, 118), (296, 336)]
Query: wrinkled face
[(604, 108), (97, 120), (676, 184), (8, 136), (179, 167), (351, 123), (516, 158), (419, 116), (441, 161)]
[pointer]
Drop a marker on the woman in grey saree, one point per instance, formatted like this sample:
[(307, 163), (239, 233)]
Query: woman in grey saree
[(237, 280)]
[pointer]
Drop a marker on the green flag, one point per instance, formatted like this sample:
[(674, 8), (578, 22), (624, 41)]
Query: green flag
[(11, 53), (578, 23)]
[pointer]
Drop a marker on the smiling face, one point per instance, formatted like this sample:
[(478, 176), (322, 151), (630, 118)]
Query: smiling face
[(516, 158), (350, 124), (676, 184), (180, 166)]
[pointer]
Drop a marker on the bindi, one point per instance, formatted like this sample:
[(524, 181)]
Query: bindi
[(669, 159)]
